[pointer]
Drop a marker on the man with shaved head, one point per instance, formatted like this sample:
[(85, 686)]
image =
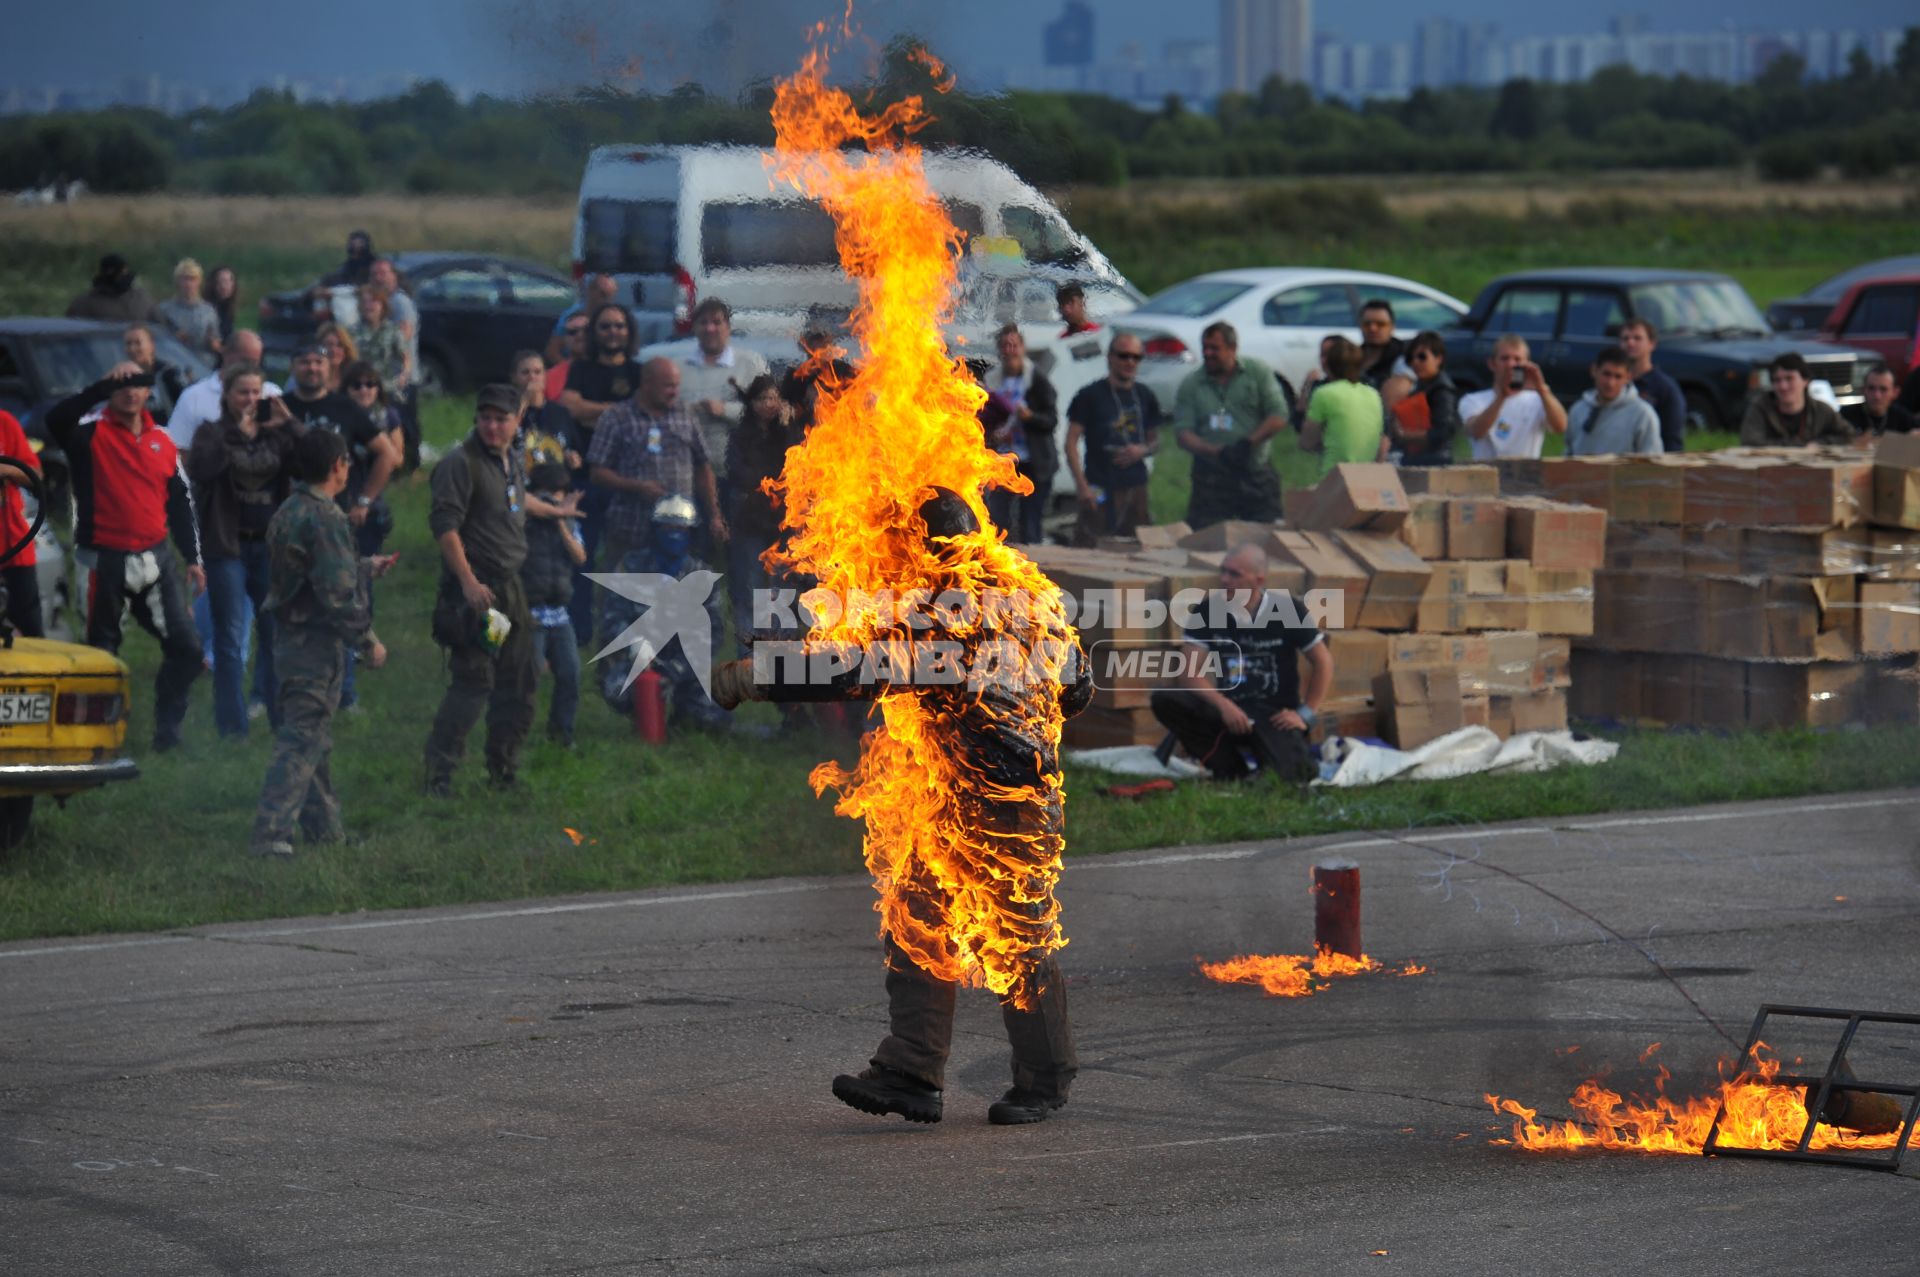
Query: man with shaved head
[(646, 449), (1240, 706), (200, 403)]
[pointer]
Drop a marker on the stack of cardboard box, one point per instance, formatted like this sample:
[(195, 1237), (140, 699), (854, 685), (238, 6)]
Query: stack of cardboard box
[(1754, 587), (1455, 605)]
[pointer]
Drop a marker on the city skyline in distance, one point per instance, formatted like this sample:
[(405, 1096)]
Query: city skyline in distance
[(517, 47)]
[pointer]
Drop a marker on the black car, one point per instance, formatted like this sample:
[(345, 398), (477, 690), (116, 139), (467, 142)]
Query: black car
[(476, 310), (1713, 340), (43, 360), (1810, 309)]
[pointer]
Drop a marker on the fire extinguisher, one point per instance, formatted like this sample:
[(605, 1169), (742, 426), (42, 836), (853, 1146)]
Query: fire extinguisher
[(650, 707)]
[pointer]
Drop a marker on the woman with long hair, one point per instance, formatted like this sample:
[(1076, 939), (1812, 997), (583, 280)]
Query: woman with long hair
[(1424, 420), (380, 342), (756, 451), (238, 467), (222, 292), (341, 351)]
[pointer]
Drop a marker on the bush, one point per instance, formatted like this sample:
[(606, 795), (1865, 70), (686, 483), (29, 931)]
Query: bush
[(1789, 159), (256, 175), (1866, 153)]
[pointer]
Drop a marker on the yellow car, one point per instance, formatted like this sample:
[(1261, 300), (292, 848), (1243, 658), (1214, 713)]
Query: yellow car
[(63, 726)]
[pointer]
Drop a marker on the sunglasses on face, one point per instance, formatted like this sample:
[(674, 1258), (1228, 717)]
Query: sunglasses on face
[(574, 330), (1127, 356), (363, 385), (611, 328)]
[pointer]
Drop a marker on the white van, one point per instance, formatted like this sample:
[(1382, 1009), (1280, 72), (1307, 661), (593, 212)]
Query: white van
[(677, 223)]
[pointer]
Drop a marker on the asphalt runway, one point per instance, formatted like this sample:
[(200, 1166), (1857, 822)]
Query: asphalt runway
[(638, 1083)]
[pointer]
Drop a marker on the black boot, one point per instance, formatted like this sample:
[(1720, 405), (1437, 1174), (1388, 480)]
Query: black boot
[(882, 1091), (1018, 1107)]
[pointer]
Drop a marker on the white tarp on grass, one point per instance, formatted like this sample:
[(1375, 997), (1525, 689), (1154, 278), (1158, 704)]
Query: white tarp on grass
[(1463, 753)]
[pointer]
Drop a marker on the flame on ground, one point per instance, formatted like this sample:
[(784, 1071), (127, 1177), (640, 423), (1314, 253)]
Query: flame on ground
[(965, 907), (1292, 975), (1761, 1114)]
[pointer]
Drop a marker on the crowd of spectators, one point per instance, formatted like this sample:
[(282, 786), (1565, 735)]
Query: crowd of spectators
[(585, 457)]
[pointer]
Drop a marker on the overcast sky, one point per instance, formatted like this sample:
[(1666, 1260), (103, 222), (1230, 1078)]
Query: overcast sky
[(517, 46)]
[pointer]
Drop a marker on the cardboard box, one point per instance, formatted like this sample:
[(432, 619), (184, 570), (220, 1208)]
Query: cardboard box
[(1464, 652), (1347, 717), (1647, 490), (1521, 476), (1892, 554), (1476, 528), (1733, 619), (1823, 694), (1810, 551), (1161, 536), (1325, 566), (1443, 608), (1606, 685), (1396, 579), (1358, 656), (1360, 496), (1533, 712), (1889, 617), (1714, 551), (1476, 711), (1497, 595), (1225, 535), (1099, 728), (1560, 601), (1553, 534), (1721, 490), (1891, 693), (1553, 667), (1425, 531), (1512, 664), (1451, 481), (1818, 494), (1645, 547), (1416, 686), (1087, 577), (1718, 692), (1575, 480), (1811, 617), (1896, 481), (1411, 726)]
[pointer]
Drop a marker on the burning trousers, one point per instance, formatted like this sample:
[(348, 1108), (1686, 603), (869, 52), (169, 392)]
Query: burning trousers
[(921, 1036)]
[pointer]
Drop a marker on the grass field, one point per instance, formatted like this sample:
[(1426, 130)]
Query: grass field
[(167, 850)]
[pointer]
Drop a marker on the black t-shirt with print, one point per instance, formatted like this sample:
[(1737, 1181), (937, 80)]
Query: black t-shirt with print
[(1112, 419), (1261, 664), (343, 417)]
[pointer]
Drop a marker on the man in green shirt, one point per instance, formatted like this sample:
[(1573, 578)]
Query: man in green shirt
[(1224, 413)]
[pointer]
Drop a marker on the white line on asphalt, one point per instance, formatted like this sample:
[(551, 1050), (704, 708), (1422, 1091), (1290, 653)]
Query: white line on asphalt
[(1143, 1148), (1076, 866)]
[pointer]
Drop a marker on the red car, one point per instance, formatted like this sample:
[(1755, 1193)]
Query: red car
[(1881, 315)]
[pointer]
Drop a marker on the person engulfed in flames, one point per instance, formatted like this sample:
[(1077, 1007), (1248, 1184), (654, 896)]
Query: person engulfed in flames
[(976, 899)]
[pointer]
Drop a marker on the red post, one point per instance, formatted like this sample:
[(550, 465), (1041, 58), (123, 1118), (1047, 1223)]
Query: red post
[(650, 707), (1336, 907)]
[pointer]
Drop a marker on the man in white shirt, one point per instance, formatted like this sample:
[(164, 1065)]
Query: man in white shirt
[(200, 402), (1511, 419), (711, 379)]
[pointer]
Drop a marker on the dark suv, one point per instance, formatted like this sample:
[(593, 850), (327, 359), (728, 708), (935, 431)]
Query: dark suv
[(1713, 339)]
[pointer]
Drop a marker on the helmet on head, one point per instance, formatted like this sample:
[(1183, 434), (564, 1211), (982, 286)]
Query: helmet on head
[(947, 514), (675, 511)]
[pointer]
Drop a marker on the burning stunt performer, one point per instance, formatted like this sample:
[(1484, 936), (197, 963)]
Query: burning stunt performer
[(998, 736)]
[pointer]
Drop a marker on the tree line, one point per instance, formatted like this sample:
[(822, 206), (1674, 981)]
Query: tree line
[(1865, 122)]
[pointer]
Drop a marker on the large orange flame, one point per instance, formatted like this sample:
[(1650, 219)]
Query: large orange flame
[(964, 906), (1292, 975), (1761, 1114)]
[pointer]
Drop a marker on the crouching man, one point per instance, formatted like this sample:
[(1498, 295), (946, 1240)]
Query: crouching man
[(1253, 715)]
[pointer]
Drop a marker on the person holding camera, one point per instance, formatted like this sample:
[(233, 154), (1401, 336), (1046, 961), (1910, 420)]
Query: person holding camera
[(123, 470), (1511, 419), (238, 468)]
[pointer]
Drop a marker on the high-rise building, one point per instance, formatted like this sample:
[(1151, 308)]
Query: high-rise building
[(1067, 41), (1260, 39)]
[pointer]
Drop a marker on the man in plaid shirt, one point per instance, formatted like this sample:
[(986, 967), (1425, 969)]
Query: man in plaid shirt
[(643, 450)]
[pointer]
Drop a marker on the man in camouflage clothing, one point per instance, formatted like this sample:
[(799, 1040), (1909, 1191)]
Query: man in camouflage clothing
[(318, 596)]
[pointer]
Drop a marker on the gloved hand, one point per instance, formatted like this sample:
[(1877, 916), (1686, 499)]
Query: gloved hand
[(1237, 455), (733, 683)]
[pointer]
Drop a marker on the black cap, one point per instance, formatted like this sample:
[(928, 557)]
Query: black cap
[(501, 398)]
